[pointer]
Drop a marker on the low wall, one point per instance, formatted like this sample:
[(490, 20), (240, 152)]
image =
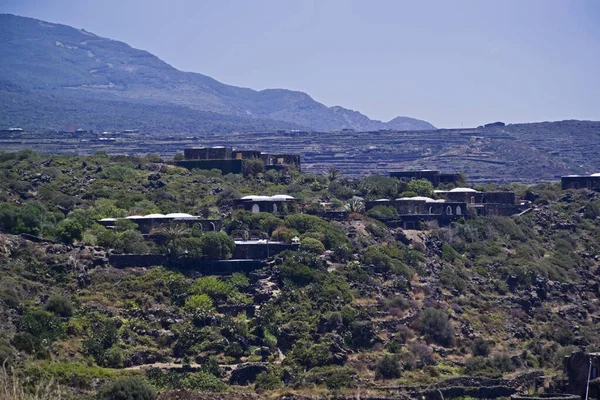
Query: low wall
[(261, 250), (204, 266)]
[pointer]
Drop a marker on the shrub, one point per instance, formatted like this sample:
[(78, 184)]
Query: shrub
[(491, 367), (132, 388), (312, 246), (480, 347), (253, 167), (268, 381), (199, 302), (41, 324), (203, 381), (434, 323), (217, 245), (60, 305), (69, 230), (381, 212), (387, 367), (422, 187)]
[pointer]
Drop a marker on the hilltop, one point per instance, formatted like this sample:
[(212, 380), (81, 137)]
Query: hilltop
[(41, 59)]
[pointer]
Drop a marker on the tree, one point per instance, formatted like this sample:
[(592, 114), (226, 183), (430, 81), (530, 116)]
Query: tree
[(434, 323), (253, 167), (355, 205), (480, 347), (422, 187), (69, 230), (312, 246), (387, 367), (333, 173), (217, 245)]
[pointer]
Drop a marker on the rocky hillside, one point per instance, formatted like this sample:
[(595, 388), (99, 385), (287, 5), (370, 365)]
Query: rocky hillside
[(45, 58), (483, 307)]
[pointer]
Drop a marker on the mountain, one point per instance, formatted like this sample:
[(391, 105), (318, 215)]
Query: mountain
[(44, 58)]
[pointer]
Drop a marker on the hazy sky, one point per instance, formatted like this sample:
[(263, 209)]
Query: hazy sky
[(448, 62)]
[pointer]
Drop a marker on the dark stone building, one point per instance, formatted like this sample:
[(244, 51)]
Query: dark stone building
[(413, 211), (581, 181), (435, 177), (580, 366), (208, 153), (277, 204), (231, 161), (483, 203), (148, 222)]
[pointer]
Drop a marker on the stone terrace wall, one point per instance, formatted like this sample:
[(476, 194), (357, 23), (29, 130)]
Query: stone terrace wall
[(204, 266)]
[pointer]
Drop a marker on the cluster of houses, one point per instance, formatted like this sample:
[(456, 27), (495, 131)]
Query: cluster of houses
[(449, 206), (412, 212)]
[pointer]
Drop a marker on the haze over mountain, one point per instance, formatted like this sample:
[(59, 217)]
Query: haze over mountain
[(51, 65)]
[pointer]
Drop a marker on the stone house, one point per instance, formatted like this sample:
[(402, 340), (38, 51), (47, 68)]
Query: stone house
[(435, 177), (502, 203), (277, 204), (148, 222), (579, 367), (580, 181), (231, 161), (413, 211)]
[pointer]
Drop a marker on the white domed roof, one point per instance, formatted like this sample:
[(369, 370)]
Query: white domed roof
[(463, 190), (282, 197), (108, 219), (596, 174), (421, 198), (179, 215), (155, 216), (382, 200), (255, 198), (135, 217)]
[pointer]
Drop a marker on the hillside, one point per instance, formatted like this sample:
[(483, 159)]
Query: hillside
[(47, 58), (483, 307), (525, 153)]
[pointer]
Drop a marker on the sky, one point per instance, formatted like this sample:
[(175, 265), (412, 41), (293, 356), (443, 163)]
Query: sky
[(452, 63)]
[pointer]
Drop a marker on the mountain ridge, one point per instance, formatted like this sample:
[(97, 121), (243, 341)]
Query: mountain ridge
[(45, 57)]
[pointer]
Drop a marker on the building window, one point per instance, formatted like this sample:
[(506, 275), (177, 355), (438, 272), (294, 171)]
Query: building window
[(430, 210), (458, 210), (448, 210), (255, 209), (274, 207), (472, 199)]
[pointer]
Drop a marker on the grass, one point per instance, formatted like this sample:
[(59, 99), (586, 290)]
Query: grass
[(13, 387)]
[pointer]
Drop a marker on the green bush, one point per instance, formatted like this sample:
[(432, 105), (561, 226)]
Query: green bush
[(382, 212), (268, 381), (69, 230), (312, 246), (434, 324), (132, 388), (41, 324), (60, 306), (387, 367), (491, 367), (480, 347), (217, 245)]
